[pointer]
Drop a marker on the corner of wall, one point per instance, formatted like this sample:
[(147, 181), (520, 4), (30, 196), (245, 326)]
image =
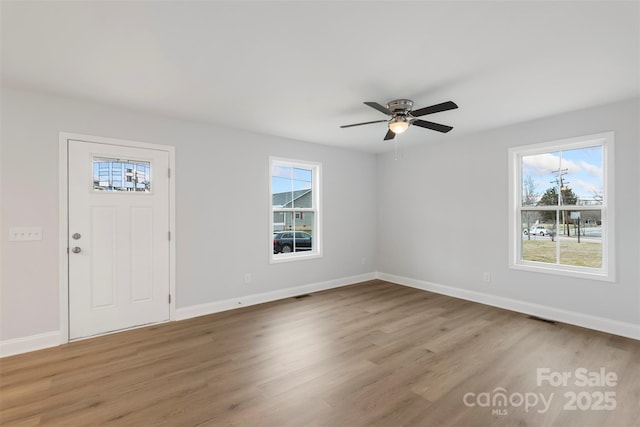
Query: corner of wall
[(602, 324)]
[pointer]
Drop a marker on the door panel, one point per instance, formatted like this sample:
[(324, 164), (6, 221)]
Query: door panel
[(103, 283), (119, 271), (141, 254)]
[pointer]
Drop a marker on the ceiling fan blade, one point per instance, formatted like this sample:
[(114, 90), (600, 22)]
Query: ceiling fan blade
[(379, 107), (364, 123), (390, 135), (449, 105), (430, 125)]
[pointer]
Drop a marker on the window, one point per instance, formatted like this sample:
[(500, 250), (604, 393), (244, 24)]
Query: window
[(561, 207), (121, 175), (295, 210)]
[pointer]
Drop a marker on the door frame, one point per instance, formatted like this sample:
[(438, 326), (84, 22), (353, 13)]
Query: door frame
[(63, 228)]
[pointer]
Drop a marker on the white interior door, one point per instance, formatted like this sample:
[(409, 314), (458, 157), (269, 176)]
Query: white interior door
[(118, 237)]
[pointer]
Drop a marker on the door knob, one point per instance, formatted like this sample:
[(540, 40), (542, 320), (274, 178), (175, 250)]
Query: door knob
[(76, 250), (76, 236)]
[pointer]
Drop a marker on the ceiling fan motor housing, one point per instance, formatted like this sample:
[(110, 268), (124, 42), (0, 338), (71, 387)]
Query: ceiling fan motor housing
[(401, 106)]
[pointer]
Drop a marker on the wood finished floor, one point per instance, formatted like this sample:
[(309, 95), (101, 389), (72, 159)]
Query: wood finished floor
[(369, 354)]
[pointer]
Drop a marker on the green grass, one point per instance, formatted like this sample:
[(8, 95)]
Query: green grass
[(539, 250), (584, 254)]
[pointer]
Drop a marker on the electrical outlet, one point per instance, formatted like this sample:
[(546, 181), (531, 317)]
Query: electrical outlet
[(17, 234), (486, 277), (247, 278)]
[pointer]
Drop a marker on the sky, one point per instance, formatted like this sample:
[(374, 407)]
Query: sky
[(583, 170), (286, 178)]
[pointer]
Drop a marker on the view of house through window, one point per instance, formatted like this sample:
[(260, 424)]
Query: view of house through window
[(294, 206), (562, 208), (121, 175)]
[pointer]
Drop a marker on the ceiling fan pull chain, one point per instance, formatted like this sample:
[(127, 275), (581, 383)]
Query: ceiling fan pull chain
[(395, 143)]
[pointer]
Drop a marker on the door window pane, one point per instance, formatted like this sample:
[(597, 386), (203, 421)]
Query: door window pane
[(121, 175)]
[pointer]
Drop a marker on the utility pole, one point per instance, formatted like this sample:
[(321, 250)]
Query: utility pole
[(559, 181)]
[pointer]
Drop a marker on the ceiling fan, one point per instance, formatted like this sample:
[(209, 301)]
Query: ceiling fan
[(402, 116)]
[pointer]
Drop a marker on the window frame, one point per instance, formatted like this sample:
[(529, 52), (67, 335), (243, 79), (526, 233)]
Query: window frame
[(607, 271), (316, 209)]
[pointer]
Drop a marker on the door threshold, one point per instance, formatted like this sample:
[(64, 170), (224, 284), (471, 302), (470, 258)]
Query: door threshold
[(145, 325)]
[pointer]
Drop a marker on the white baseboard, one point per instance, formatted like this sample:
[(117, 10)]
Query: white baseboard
[(630, 330), (244, 301), (51, 339), (602, 324), (30, 343)]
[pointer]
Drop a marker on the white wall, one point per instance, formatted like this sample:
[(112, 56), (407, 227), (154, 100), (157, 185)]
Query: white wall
[(222, 184), (415, 219), (442, 218)]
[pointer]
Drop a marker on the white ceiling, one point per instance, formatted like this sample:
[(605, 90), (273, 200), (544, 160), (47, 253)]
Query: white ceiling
[(301, 69)]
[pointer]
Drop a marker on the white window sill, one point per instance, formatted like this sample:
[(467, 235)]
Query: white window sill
[(280, 258), (564, 270)]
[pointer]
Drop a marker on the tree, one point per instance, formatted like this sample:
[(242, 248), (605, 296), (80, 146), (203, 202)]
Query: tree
[(550, 198), (597, 197), (529, 194), (529, 198)]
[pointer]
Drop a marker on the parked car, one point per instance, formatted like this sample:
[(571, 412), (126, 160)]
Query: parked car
[(290, 241), (537, 230)]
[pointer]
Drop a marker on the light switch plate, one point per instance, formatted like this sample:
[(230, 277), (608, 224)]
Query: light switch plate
[(18, 234)]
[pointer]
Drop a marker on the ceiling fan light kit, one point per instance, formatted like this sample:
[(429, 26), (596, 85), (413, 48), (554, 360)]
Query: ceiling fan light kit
[(398, 124), (402, 116)]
